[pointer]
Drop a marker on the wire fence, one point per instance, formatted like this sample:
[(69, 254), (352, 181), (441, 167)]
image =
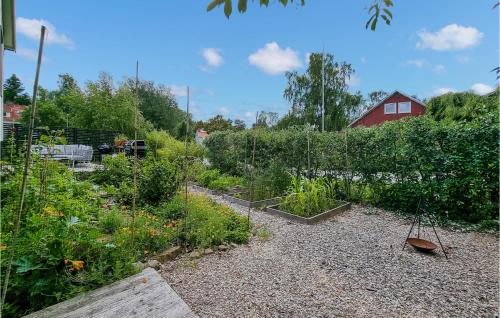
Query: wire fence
[(78, 136)]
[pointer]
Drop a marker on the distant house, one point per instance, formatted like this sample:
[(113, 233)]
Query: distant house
[(201, 134), (12, 113), (394, 107)]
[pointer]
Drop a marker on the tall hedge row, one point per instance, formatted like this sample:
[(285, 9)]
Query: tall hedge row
[(452, 166)]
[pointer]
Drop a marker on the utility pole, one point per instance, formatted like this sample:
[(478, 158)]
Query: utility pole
[(323, 90)]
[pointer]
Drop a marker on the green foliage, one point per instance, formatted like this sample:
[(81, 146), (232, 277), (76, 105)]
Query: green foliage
[(158, 105), (214, 180), (71, 241), (210, 223), (304, 92), (463, 106), (219, 123), (378, 9), (452, 165), (165, 146), (13, 91), (158, 181), (117, 169), (207, 177), (308, 197), (225, 183)]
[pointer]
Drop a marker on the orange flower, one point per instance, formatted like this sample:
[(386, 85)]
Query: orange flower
[(77, 265)]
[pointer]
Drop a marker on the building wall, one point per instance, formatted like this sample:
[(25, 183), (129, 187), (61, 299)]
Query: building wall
[(377, 116)]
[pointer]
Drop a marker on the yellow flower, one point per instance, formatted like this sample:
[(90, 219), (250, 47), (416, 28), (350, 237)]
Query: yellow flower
[(3, 246), (51, 211)]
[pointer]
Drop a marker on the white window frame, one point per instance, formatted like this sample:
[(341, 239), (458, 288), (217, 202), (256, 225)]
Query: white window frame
[(390, 104), (7, 114), (409, 108)]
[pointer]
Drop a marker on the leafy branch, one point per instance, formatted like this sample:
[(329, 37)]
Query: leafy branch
[(378, 10)]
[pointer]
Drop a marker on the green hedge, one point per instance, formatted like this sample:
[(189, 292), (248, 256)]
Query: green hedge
[(453, 166)]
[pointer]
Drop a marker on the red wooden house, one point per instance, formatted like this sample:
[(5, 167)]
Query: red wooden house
[(394, 107)]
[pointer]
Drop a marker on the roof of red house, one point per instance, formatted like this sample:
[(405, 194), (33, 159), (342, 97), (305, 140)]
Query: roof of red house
[(15, 111), (201, 133), (382, 102)]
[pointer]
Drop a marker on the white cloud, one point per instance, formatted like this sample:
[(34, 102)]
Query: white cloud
[(274, 60), (416, 63), (444, 90), (439, 68), (354, 80), (481, 89), (212, 57), (450, 37), (31, 29), (308, 56), (178, 90), (30, 54), (223, 111), (462, 59)]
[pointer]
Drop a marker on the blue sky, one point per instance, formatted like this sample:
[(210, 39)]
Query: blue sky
[(235, 66)]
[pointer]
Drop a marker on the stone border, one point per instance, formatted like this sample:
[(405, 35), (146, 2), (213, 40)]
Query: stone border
[(252, 204), (274, 210)]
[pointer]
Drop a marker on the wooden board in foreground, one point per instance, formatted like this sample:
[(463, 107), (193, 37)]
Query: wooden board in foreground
[(146, 294)]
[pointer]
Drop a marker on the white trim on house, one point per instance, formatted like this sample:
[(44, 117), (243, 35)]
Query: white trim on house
[(390, 108), (408, 111)]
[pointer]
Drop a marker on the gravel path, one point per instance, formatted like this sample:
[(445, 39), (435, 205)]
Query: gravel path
[(351, 266)]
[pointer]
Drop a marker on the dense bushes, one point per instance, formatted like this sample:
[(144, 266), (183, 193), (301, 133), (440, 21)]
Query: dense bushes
[(158, 181), (73, 239), (453, 166)]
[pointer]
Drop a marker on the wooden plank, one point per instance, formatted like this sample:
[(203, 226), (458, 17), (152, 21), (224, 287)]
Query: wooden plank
[(146, 294)]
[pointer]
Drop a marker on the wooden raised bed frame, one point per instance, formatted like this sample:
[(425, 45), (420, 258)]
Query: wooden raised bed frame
[(343, 206), (252, 204)]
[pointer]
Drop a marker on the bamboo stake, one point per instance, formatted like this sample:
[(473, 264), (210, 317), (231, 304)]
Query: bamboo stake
[(26, 168), (134, 182), (250, 184), (186, 210)]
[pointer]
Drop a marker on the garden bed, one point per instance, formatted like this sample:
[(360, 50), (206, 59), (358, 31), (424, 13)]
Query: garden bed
[(232, 197), (341, 207)]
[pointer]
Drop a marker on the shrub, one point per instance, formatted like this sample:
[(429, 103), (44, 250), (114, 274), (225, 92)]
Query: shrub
[(158, 181), (225, 183), (165, 146), (117, 169), (207, 177)]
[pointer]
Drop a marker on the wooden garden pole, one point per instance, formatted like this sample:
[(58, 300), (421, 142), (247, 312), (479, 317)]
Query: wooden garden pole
[(186, 208), (134, 182), (251, 171), (26, 168)]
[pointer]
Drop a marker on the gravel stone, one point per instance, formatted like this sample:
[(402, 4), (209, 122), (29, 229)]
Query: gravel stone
[(154, 264), (353, 267)]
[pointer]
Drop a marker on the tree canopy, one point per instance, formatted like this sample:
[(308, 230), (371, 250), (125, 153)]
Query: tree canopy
[(14, 91), (304, 93)]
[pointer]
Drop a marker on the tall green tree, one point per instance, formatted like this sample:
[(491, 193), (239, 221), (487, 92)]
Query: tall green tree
[(304, 93), (14, 91), (158, 105), (463, 106)]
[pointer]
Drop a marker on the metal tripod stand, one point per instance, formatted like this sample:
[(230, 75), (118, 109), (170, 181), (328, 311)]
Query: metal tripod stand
[(421, 211)]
